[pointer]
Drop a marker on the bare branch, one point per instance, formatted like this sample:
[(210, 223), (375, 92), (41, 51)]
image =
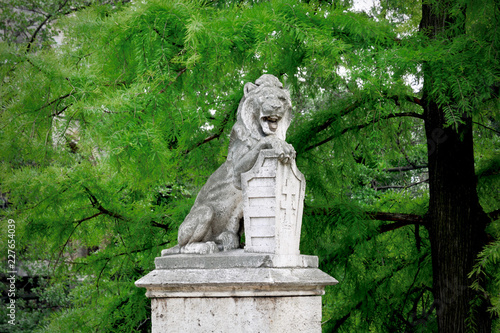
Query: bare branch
[(210, 138), (165, 227), (39, 28), (71, 234), (216, 135), (100, 273), (401, 218), (489, 128), (28, 47), (342, 113), (133, 251), (95, 203), (52, 102), (405, 168), (399, 186), (358, 127), (397, 217), (406, 98), (393, 226), (55, 114)]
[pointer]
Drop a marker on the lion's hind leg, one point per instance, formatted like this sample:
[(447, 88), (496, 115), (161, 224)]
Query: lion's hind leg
[(228, 241), (197, 226)]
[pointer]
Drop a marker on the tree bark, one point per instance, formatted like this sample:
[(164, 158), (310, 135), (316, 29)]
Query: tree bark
[(456, 221)]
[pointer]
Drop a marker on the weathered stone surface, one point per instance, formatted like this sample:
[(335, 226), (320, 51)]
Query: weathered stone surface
[(234, 273), (234, 259), (228, 282), (237, 314), (273, 202), (214, 222), (235, 291)]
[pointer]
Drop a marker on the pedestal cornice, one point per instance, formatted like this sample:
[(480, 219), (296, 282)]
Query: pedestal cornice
[(234, 274)]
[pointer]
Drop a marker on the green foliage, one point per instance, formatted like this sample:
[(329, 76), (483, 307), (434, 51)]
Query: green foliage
[(107, 139), (28, 23)]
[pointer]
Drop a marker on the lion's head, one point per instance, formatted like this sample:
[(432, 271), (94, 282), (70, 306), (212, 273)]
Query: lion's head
[(264, 110)]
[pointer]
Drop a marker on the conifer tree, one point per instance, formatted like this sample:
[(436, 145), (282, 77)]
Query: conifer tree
[(106, 140)]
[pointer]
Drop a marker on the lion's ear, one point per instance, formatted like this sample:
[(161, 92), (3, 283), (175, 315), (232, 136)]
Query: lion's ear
[(249, 87)]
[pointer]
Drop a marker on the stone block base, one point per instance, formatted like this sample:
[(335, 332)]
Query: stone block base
[(231, 292), (237, 314)]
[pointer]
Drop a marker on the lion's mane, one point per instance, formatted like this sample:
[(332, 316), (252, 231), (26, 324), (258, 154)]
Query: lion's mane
[(247, 128)]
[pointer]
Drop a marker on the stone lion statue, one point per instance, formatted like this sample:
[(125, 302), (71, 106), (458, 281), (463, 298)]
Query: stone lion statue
[(215, 220)]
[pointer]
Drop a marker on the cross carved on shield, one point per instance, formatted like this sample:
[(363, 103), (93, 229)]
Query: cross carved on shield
[(289, 197)]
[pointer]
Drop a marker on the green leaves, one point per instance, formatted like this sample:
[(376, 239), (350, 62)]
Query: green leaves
[(107, 139)]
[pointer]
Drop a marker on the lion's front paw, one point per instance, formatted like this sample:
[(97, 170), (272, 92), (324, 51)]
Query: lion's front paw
[(288, 153), (171, 250), (200, 248), (285, 151)]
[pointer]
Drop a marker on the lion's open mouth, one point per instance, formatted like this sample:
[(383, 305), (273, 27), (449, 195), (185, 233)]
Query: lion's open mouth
[(272, 122)]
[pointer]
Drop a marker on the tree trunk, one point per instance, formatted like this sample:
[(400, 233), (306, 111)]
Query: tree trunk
[(456, 221)]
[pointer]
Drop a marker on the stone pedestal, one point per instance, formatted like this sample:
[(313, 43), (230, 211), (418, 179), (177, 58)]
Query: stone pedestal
[(235, 292)]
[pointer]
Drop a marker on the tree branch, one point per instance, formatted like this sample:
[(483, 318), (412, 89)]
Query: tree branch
[(95, 203), (399, 186), (39, 28), (342, 320), (489, 128), (213, 136), (358, 127), (179, 73), (32, 40), (210, 138), (165, 227), (53, 101), (134, 251), (405, 168), (342, 113), (407, 98), (393, 226), (100, 273), (401, 219), (397, 217), (55, 114), (71, 234)]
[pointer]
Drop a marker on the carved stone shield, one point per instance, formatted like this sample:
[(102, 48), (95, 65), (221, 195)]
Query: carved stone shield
[(273, 199)]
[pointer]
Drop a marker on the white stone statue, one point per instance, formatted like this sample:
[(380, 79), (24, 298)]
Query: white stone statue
[(215, 220)]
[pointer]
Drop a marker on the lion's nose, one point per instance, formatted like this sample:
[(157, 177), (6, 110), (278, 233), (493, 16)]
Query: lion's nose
[(273, 105)]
